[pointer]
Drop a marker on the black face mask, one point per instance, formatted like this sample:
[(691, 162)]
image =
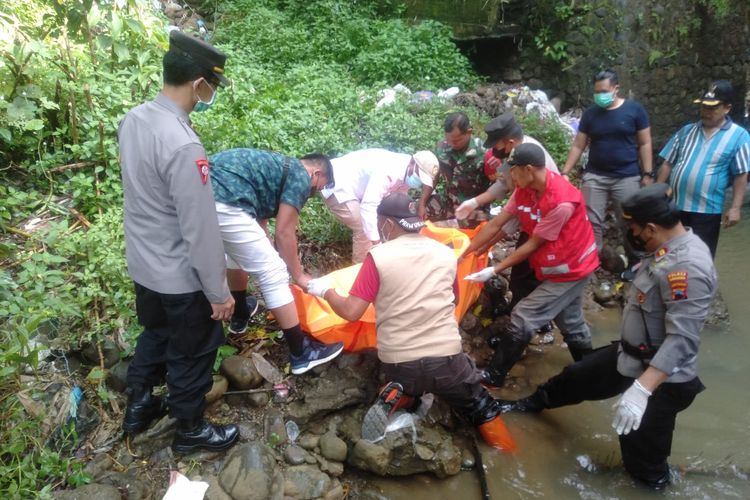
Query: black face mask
[(636, 242), (500, 154)]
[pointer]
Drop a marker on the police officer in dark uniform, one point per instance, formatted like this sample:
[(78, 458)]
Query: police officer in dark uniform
[(174, 250), (654, 364)]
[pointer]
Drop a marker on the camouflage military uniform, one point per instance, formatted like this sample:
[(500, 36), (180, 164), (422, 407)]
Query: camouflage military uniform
[(462, 177)]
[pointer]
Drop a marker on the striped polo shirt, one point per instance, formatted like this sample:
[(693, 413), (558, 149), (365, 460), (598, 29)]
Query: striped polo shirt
[(702, 169)]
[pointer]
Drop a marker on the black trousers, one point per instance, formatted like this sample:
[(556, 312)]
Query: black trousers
[(178, 344), (705, 226), (644, 451), (522, 277), (455, 379)]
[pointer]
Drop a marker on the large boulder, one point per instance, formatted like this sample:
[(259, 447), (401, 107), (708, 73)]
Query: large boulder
[(305, 482)]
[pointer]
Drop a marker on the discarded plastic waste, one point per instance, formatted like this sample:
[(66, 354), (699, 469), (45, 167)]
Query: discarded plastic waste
[(292, 430)]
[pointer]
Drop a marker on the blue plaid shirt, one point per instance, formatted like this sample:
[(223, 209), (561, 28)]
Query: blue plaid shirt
[(702, 169)]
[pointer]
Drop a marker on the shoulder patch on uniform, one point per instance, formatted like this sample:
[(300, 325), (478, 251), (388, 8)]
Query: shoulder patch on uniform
[(679, 284), (203, 169)]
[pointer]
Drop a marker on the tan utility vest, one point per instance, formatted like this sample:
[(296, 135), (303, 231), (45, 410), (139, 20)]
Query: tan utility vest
[(414, 305)]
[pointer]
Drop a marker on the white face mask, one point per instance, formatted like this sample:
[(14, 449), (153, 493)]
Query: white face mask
[(413, 181), (203, 105)]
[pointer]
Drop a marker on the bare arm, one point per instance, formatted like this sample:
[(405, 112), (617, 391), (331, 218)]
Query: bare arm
[(350, 308), (664, 170), (422, 208), (576, 150), (739, 185), (286, 242), (645, 153), (521, 253), (488, 232)]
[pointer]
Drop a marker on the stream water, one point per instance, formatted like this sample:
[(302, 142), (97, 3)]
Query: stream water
[(573, 452)]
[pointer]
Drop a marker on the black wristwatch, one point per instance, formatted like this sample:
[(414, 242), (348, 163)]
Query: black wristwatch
[(651, 174)]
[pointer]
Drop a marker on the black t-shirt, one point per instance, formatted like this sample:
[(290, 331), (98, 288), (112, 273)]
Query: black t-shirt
[(613, 150)]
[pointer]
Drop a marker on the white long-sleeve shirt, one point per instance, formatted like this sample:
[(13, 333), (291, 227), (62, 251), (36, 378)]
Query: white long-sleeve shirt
[(367, 175)]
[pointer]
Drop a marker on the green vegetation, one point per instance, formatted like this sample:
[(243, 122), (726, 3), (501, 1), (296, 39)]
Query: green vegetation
[(306, 78)]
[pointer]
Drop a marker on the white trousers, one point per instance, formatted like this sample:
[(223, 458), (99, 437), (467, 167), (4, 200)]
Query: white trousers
[(248, 248)]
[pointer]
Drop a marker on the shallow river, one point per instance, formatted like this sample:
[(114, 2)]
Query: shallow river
[(573, 452)]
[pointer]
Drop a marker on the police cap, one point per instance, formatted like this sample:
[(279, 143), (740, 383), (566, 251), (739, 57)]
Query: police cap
[(501, 127), (205, 55), (527, 154), (650, 204)]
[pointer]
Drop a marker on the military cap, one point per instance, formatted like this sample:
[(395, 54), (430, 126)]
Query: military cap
[(205, 55), (719, 92), (501, 127), (650, 204), (403, 209), (527, 154)]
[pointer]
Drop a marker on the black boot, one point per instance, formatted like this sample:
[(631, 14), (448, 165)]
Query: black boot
[(508, 350), (579, 353), (532, 404), (195, 434), (143, 407)]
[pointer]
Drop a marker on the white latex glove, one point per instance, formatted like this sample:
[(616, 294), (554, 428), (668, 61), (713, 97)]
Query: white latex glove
[(465, 208), (481, 276), (318, 287), (630, 408)]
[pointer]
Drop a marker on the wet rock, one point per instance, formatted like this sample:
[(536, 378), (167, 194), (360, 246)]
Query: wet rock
[(355, 384), (467, 460), (89, 491), (334, 469), (250, 473), (214, 491), (157, 437), (110, 353), (274, 428), (219, 387), (117, 376), (305, 482), (309, 441), (241, 373), (398, 455), (336, 492), (372, 494), (98, 466), (131, 485), (251, 431), (332, 447), (294, 455), (718, 313), (259, 399)]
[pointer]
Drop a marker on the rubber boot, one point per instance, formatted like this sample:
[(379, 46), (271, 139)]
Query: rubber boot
[(497, 435), (508, 351), (579, 353), (143, 408), (198, 434), (532, 404)]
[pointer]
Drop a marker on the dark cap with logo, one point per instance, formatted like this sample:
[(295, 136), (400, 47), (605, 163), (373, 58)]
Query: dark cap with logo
[(205, 55), (527, 154), (719, 92), (652, 203), (401, 207), (501, 127)]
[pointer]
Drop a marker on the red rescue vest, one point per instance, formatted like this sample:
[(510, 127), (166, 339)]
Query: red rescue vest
[(572, 256)]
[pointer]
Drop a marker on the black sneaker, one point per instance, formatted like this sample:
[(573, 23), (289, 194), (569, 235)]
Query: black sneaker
[(238, 326), (314, 353)]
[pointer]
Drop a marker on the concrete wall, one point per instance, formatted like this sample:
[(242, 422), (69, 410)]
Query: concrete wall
[(665, 52)]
